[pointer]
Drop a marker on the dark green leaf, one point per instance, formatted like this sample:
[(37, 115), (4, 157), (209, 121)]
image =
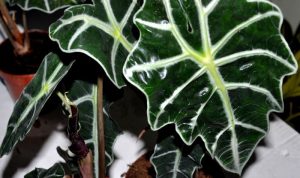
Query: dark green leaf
[(102, 31), (171, 159), (84, 95), (32, 100), (214, 69), (56, 171)]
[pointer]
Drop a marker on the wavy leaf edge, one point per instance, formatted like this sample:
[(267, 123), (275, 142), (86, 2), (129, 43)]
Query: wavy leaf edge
[(47, 8), (294, 70)]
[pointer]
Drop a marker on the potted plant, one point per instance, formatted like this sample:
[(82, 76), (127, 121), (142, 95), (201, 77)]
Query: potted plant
[(22, 52), (212, 70)]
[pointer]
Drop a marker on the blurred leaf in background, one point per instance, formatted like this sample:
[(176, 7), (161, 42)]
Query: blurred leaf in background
[(291, 85)]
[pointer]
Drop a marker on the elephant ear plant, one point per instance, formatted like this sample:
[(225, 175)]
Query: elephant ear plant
[(211, 68)]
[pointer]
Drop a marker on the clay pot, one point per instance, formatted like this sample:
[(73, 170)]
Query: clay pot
[(17, 71), (15, 83)]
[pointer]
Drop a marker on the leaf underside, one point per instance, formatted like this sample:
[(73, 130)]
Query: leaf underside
[(102, 31), (214, 69), (170, 159), (47, 6), (84, 95), (32, 100)]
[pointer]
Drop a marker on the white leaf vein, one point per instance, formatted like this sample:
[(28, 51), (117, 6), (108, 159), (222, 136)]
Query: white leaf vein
[(159, 26), (162, 63), (128, 14), (176, 93), (88, 20), (220, 44), (78, 32), (255, 52), (233, 86), (211, 6), (250, 126), (47, 5), (114, 58)]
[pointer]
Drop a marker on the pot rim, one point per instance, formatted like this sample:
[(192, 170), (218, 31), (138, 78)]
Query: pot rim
[(4, 66)]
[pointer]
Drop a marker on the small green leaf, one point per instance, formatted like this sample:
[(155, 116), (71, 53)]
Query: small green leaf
[(172, 159), (47, 6), (102, 31), (56, 171), (32, 100), (213, 68)]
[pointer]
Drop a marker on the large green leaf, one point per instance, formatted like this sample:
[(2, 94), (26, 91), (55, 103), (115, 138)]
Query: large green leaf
[(172, 159), (32, 100), (84, 95), (56, 171), (102, 31), (214, 69), (47, 6)]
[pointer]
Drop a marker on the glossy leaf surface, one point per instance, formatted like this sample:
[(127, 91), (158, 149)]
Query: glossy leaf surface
[(47, 6), (171, 159), (102, 31), (56, 171), (84, 95), (32, 100), (213, 68)]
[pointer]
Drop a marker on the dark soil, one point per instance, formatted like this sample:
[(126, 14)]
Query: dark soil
[(141, 168), (41, 45)]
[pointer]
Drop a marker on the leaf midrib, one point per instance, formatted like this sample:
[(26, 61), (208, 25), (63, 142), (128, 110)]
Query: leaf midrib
[(206, 59), (217, 79), (95, 131), (117, 30), (44, 91)]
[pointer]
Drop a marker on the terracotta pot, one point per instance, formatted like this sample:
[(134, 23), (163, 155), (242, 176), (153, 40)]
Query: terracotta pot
[(15, 83), (17, 71)]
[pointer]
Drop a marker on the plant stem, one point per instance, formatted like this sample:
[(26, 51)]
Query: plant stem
[(101, 141), (8, 33), (11, 27), (26, 34)]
